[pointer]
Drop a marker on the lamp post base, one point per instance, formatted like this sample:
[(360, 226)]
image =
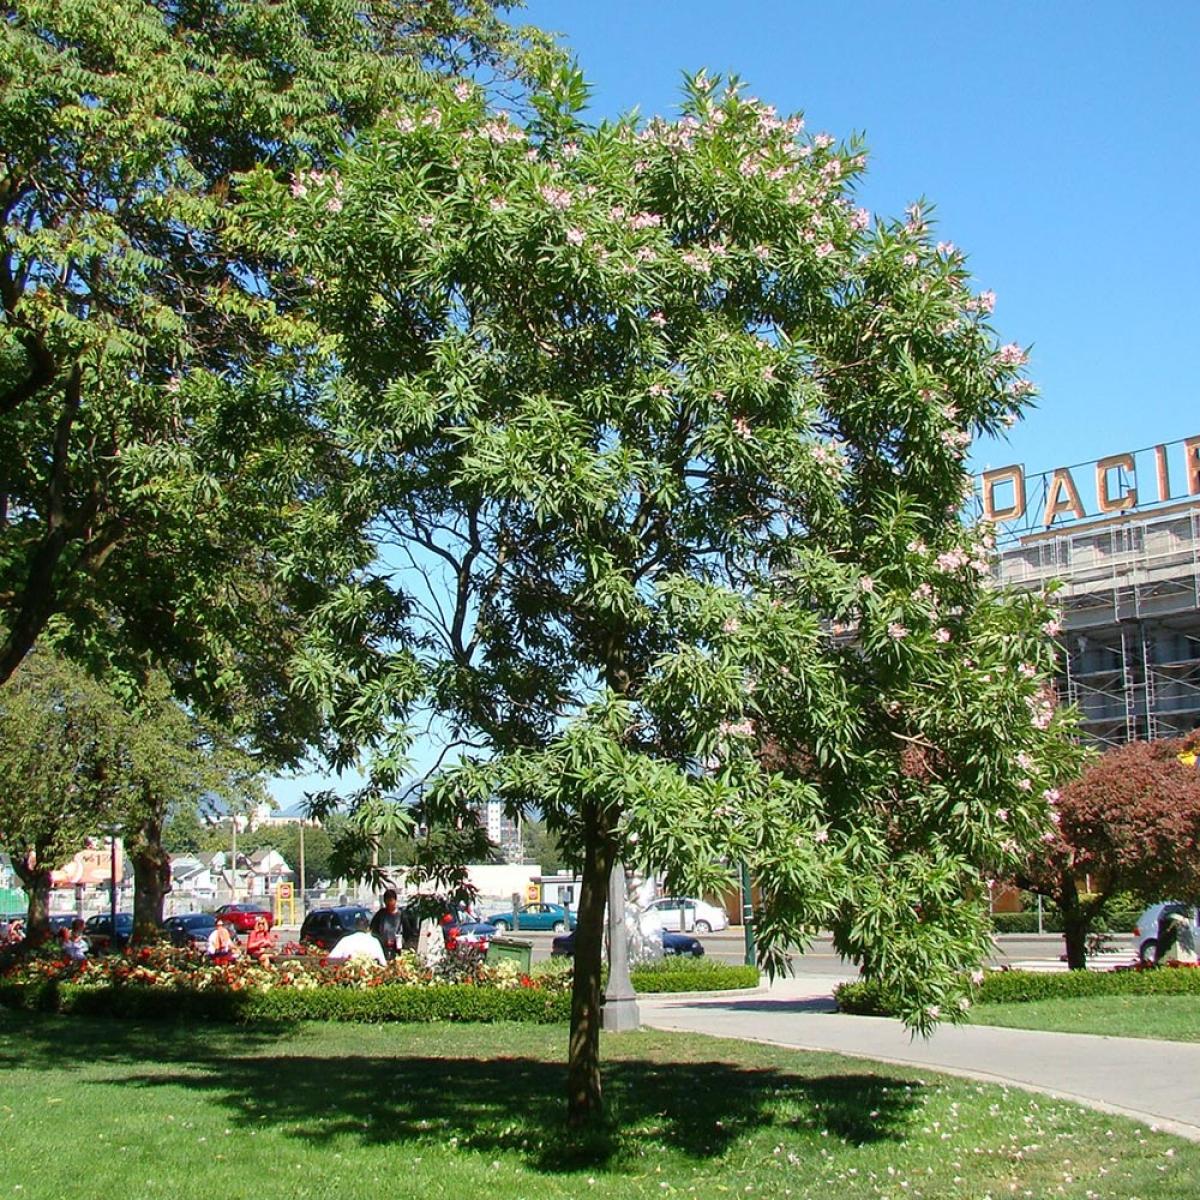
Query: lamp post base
[(619, 1014)]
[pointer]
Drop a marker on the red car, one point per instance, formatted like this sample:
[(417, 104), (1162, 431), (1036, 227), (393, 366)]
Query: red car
[(242, 917)]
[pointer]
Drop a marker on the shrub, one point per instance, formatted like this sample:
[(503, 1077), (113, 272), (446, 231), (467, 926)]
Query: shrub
[(1014, 987), (692, 975), (387, 1002), (866, 998)]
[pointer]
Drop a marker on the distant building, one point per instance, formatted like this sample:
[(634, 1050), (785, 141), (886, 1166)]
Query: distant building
[(502, 830), (1123, 536)]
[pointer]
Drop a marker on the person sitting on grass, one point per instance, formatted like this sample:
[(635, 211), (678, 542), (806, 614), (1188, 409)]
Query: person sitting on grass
[(259, 944), (220, 943), (359, 944)]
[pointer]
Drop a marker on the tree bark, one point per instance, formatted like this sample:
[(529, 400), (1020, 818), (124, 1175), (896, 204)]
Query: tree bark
[(151, 881), (36, 881), (1076, 923), (585, 1102)]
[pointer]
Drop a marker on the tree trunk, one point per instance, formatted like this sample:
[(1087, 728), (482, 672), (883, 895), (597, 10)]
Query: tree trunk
[(584, 1098), (36, 882), (151, 881), (1076, 924)]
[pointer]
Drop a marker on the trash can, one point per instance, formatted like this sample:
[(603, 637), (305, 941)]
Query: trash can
[(513, 950)]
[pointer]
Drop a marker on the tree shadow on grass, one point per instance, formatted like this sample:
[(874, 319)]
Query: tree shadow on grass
[(488, 1105)]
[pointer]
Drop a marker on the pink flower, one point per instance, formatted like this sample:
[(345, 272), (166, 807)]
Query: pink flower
[(822, 140), (1052, 795), (744, 728), (570, 150), (977, 977), (860, 218), (947, 248), (645, 220), (941, 635), (462, 91), (731, 625), (575, 237), (824, 250), (866, 584), (897, 631), (405, 124), (1052, 628), (659, 389), (986, 301), (657, 318), (556, 197), (334, 204), (1002, 814), (497, 204), (742, 428), (299, 190), (821, 835), (425, 221), (910, 259), (1012, 355), (1026, 785)]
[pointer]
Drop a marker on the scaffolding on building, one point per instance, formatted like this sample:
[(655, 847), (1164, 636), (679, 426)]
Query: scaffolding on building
[(1130, 599)]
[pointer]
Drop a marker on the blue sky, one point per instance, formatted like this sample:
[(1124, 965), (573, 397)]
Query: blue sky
[(1059, 142)]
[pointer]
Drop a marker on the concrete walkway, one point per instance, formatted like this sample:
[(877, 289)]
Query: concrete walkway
[(1152, 1081)]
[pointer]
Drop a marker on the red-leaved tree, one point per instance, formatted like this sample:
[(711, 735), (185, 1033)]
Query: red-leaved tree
[(1129, 823)]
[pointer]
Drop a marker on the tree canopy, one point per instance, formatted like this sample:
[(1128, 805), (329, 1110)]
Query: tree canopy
[(1130, 823), (663, 440), (165, 491)]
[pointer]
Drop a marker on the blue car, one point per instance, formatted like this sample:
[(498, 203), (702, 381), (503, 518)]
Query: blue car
[(534, 916), (672, 943)]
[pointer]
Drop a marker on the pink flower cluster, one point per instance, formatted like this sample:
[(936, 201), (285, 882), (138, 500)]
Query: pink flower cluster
[(1012, 355), (743, 728), (556, 197)]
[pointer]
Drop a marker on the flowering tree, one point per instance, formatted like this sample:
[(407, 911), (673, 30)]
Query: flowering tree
[(1129, 823), (663, 439)]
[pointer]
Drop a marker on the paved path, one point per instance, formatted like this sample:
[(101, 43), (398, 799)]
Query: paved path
[(1153, 1081)]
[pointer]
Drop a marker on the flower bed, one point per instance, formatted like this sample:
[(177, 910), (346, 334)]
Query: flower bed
[(865, 998), (164, 982)]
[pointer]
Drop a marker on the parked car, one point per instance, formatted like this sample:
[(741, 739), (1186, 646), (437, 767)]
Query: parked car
[(243, 916), (325, 927), (449, 918), (1145, 932), (99, 932), (672, 943), (535, 916), (191, 930), (682, 913), (61, 921)]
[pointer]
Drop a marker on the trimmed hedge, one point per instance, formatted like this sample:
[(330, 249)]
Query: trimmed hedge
[(693, 975), (394, 1002), (864, 998), (1016, 987)]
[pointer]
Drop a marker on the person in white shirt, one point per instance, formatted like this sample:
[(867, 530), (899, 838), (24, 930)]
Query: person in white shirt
[(360, 944)]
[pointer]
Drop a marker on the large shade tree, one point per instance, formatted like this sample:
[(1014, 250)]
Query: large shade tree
[(1130, 823), (166, 493), (75, 763), (664, 438)]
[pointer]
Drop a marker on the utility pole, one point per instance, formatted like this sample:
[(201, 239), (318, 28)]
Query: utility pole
[(619, 1008), (303, 910), (233, 861)]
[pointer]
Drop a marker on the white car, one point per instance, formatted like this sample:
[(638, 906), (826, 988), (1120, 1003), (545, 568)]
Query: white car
[(684, 914), (1145, 932)]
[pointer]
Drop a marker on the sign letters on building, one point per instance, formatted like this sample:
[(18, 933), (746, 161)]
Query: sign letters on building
[(1134, 479)]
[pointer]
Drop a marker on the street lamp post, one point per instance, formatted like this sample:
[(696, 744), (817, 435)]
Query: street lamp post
[(619, 1010), (112, 832)]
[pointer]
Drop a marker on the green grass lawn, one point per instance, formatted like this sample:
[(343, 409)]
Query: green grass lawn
[(1176, 1018), (91, 1109)]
